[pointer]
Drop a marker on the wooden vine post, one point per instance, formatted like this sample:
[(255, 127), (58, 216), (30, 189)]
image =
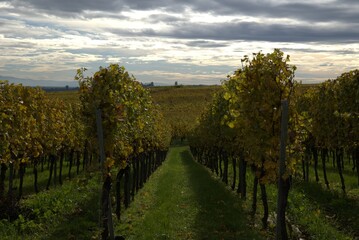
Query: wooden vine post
[(107, 223), (283, 181)]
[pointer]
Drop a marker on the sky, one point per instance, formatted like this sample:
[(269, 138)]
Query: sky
[(164, 41)]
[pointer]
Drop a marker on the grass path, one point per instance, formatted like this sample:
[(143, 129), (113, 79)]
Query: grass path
[(182, 201)]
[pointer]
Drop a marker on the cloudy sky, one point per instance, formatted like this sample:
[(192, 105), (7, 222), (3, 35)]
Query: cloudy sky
[(189, 41)]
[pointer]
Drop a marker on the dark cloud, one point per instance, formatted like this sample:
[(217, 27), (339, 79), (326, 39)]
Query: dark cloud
[(156, 18), (342, 11), (336, 11), (70, 5), (320, 12), (354, 2), (252, 31), (102, 14)]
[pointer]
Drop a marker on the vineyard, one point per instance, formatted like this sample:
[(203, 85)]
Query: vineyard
[(116, 160), (37, 131), (243, 126)]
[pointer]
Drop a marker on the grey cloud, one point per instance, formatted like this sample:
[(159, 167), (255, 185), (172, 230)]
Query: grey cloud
[(71, 5), (321, 13), (110, 51), (156, 18), (206, 44), (327, 64), (102, 14), (341, 11), (348, 1), (307, 50), (102, 5), (18, 45), (336, 11), (253, 31), (162, 65)]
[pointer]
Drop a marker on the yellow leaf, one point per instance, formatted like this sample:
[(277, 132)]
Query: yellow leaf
[(227, 96), (231, 124), (109, 162)]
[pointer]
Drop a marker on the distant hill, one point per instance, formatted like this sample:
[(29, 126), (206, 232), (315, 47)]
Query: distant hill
[(40, 83)]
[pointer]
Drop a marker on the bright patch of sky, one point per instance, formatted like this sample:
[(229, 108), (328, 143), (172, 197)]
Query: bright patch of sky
[(191, 42)]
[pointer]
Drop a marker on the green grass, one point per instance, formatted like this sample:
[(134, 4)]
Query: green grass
[(340, 209), (182, 201), (350, 178), (324, 214), (43, 176), (67, 212), (314, 212)]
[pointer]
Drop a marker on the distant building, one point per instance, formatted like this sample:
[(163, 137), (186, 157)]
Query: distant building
[(151, 84)]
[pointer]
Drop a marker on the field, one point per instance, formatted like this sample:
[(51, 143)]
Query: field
[(181, 106), (183, 199)]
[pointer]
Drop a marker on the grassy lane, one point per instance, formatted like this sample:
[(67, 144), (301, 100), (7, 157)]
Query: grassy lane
[(182, 201)]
